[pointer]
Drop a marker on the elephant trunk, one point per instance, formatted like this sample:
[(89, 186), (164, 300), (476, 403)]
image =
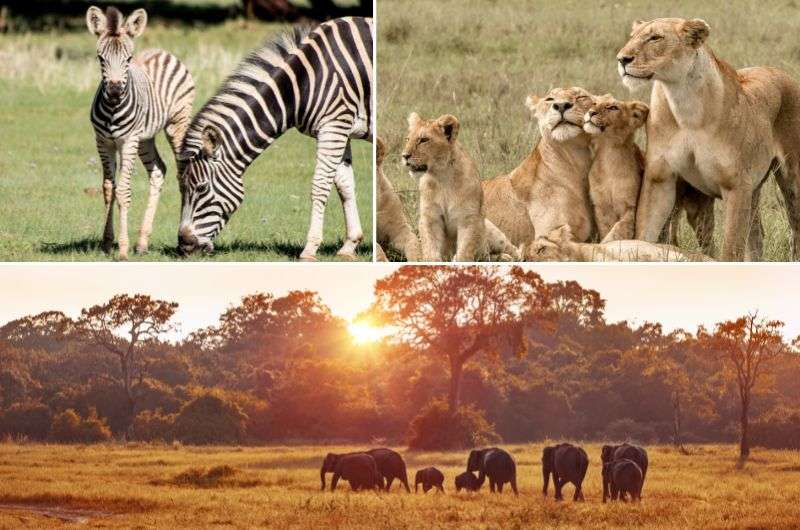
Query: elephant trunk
[(546, 476)]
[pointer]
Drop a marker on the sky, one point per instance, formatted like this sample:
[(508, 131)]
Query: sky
[(677, 295)]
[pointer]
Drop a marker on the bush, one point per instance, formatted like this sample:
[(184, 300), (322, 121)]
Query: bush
[(778, 431), (626, 429), (69, 427), (210, 419), (151, 426), (437, 428), (29, 419)]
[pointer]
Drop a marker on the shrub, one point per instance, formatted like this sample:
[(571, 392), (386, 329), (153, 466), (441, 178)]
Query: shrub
[(210, 419), (150, 426), (437, 428), (29, 419), (626, 429), (69, 427), (779, 431)]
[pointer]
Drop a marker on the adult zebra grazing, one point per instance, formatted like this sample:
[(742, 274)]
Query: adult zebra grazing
[(318, 81), (137, 97)]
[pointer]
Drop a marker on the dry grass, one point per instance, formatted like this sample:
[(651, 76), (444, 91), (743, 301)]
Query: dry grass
[(478, 59), (137, 486)]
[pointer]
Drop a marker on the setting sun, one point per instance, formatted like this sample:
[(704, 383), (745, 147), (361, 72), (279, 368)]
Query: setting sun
[(363, 333)]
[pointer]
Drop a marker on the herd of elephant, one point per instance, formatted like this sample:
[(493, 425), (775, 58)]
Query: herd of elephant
[(624, 470)]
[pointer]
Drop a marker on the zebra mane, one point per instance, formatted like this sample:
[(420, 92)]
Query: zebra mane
[(272, 51), (113, 21)]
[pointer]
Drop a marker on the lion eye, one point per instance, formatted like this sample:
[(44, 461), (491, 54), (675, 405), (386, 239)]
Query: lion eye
[(548, 99), (423, 140), (540, 250), (654, 38), (613, 107)]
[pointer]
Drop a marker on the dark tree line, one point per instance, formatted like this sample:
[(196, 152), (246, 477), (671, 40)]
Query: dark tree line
[(476, 354)]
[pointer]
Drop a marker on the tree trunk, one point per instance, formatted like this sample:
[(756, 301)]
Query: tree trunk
[(744, 441), (676, 420), (456, 367)]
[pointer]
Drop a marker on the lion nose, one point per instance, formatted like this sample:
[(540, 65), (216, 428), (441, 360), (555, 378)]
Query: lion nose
[(562, 107), (625, 60), (406, 156), (592, 113)]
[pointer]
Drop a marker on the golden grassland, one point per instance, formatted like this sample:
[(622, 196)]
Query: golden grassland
[(479, 59), (148, 486)]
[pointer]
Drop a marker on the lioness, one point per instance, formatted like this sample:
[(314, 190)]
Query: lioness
[(451, 220), (616, 173), (392, 227), (719, 129), (549, 188), (559, 245)]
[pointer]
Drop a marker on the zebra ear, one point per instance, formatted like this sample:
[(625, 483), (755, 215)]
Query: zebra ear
[(95, 21), (212, 141), (136, 22)]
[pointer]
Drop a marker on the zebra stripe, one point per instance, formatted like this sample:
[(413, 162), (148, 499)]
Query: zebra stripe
[(137, 98), (318, 81)]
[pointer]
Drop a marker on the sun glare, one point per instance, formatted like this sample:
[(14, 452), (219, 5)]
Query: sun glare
[(363, 333)]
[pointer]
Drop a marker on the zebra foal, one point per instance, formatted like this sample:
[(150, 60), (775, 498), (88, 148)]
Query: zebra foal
[(317, 80), (137, 97)]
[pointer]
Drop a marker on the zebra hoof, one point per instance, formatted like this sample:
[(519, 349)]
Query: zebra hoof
[(142, 251), (346, 256), (122, 257), (308, 259)]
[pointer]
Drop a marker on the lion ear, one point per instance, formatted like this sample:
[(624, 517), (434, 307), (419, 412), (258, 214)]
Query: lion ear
[(636, 25), (380, 150), (449, 125), (560, 234), (212, 141), (639, 111), (695, 32), (413, 119), (531, 101)]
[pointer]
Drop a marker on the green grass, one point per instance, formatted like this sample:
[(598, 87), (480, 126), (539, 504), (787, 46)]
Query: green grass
[(157, 486), (48, 159), (479, 59)]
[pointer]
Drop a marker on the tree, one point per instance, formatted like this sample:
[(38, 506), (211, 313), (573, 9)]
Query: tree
[(748, 344), (124, 327), (456, 313)]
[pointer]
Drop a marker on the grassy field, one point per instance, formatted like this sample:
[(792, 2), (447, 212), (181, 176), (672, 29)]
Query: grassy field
[(478, 59), (50, 176), (278, 487)]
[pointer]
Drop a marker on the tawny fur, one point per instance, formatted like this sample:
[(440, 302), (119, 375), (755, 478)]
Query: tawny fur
[(550, 187), (719, 129), (393, 228), (559, 245), (617, 167)]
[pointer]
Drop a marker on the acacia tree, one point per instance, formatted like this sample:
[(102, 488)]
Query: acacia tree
[(457, 313), (123, 327), (748, 344)]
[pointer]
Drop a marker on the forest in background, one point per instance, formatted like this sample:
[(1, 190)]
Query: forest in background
[(475, 355)]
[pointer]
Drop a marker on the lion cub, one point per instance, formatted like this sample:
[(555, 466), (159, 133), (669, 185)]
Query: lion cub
[(392, 227), (559, 245), (618, 166), (549, 188), (451, 220)]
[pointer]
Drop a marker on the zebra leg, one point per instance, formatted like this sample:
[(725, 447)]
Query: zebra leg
[(330, 152), (346, 186), (108, 158), (155, 169), (128, 149)]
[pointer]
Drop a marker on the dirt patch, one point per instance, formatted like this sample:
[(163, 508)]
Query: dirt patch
[(215, 477), (795, 469), (62, 513)]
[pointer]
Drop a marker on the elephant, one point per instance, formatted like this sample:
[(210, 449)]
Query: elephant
[(496, 464), (621, 477), (467, 481), (567, 463), (635, 453), (390, 465), (359, 469), (430, 477)]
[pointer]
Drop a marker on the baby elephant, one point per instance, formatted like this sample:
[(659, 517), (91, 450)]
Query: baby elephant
[(467, 481), (430, 477), (623, 477)]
